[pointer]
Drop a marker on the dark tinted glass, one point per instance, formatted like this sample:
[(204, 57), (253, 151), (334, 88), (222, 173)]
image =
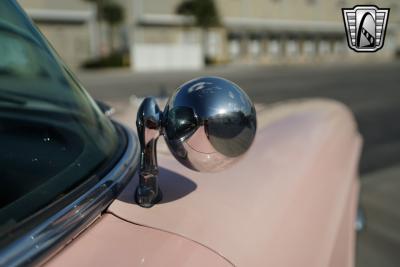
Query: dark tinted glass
[(181, 121), (52, 135), (231, 134)]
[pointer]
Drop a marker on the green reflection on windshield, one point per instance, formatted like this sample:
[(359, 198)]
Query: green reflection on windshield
[(52, 135)]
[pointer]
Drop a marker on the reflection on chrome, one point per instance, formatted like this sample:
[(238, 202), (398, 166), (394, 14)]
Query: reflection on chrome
[(208, 124)]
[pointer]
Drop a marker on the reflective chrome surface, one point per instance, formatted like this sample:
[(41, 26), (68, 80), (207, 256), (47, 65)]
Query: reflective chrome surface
[(47, 238), (208, 124), (148, 125)]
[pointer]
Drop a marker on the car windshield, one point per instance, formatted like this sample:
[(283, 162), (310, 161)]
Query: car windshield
[(52, 135)]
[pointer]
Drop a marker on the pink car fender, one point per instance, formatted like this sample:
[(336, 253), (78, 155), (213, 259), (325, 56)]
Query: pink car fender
[(290, 201)]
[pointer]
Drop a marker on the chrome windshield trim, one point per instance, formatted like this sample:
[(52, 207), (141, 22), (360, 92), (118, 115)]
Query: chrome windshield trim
[(39, 244)]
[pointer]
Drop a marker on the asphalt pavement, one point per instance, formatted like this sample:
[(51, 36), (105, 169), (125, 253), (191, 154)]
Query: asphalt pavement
[(370, 90), (379, 242)]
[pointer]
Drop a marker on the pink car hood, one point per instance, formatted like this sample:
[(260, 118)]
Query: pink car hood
[(289, 202)]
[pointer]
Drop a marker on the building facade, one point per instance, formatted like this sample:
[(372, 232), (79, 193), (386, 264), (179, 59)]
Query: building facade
[(70, 26), (252, 32), (272, 31)]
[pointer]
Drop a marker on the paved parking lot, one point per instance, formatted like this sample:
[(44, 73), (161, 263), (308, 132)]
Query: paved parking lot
[(379, 244), (371, 91)]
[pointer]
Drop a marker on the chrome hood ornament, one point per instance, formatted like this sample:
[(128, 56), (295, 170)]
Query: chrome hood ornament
[(208, 124)]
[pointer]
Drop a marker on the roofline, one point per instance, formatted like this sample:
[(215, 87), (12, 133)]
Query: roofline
[(283, 25), (61, 15), (165, 20), (242, 23)]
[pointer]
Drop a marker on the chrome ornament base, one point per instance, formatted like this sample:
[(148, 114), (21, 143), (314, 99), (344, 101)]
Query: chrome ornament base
[(147, 195), (208, 124), (148, 124)]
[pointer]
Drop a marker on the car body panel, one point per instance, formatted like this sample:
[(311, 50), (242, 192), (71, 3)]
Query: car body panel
[(289, 202), (282, 205), (343, 253), (114, 242)]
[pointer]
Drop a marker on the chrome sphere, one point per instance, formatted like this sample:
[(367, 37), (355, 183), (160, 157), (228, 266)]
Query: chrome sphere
[(209, 123)]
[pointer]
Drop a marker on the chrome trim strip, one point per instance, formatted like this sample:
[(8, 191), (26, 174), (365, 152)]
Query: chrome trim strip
[(45, 240)]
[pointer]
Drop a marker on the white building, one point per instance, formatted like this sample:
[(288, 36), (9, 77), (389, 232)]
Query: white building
[(253, 32), (70, 26)]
